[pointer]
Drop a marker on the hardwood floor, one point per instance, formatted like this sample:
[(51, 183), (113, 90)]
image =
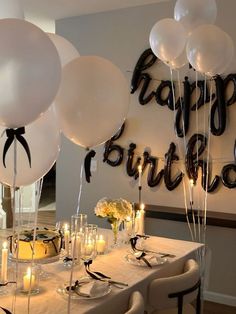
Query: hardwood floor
[(49, 218)]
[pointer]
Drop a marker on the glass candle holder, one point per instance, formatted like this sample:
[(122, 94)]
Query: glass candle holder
[(29, 280), (78, 223), (101, 243), (88, 242)]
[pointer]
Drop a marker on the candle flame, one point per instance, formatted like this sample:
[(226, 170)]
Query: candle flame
[(29, 271), (66, 227), (139, 168), (191, 182), (4, 245), (128, 218), (100, 237), (142, 206)]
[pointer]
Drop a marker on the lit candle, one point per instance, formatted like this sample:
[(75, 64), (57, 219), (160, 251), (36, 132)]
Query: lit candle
[(67, 238), (129, 225), (141, 220), (139, 175), (89, 247), (191, 182), (76, 247), (4, 262), (28, 280), (101, 244), (136, 223)]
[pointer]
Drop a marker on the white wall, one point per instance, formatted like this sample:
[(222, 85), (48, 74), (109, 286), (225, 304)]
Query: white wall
[(122, 36)]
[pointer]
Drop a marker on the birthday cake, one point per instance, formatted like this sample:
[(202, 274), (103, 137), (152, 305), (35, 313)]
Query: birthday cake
[(48, 243)]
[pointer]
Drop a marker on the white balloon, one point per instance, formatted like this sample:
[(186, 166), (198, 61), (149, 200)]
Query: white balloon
[(193, 13), (43, 138), (222, 66), (92, 102), (209, 50), (67, 52), (178, 62), (11, 9), (30, 72), (167, 39)]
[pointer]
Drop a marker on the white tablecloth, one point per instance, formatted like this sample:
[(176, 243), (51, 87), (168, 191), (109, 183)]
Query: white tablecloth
[(48, 301)]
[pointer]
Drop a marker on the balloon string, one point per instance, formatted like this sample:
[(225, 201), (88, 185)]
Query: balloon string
[(38, 190), (184, 187), (81, 183), (208, 157), (13, 208)]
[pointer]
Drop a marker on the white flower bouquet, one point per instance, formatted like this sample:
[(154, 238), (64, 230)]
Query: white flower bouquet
[(114, 209)]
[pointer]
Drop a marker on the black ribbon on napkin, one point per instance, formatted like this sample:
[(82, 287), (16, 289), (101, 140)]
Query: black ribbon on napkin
[(133, 242), (5, 310), (95, 274), (11, 135), (87, 164)]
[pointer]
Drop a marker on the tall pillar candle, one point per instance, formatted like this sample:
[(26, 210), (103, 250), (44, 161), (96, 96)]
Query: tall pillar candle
[(67, 239), (141, 220), (75, 247), (4, 262)]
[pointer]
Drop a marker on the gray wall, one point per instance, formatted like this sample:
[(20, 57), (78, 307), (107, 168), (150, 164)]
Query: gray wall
[(121, 36)]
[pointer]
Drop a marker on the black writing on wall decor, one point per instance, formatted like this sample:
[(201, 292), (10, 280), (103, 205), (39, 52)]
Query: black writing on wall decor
[(218, 116), (195, 165)]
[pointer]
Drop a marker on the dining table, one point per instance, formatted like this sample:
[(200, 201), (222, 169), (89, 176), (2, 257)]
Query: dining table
[(115, 264)]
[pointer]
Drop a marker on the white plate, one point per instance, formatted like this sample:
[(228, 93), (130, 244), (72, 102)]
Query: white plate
[(63, 291), (153, 260)]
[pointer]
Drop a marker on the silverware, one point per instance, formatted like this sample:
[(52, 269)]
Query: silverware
[(117, 283), (163, 254)]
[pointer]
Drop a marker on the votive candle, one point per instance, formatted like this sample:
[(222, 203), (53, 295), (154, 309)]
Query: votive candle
[(101, 244), (28, 280), (67, 238), (4, 262)]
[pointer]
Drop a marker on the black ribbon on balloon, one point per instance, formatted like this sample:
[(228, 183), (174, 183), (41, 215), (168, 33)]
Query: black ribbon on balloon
[(94, 274), (87, 164), (13, 134)]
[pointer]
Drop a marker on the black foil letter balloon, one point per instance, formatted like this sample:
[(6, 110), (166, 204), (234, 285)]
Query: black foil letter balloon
[(130, 168), (170, 156), (146, 60), (225, 173), (110, 148), (183, 111), (154, 178), (219, 109)]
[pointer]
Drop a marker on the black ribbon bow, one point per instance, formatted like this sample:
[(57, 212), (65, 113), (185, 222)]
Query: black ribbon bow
[(87, 164), (5, 310), (133, 242), (11, 135), (95, 274)]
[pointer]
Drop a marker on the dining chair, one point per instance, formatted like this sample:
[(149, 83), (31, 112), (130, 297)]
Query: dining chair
[(174, 295), (136, 303)]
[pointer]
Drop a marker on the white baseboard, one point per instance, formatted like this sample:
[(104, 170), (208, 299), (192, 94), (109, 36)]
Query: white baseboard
[(220, 298)]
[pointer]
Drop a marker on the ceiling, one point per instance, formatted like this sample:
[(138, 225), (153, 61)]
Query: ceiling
[(56, 9)]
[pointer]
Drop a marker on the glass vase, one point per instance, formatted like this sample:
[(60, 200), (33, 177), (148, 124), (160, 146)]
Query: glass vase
[(115, 226)]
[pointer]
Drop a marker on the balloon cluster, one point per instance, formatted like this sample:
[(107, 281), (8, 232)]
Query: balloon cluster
[(192, 37), (46, 88)]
